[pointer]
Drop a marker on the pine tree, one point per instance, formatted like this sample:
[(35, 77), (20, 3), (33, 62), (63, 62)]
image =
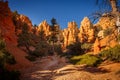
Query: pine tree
[(25, 38)]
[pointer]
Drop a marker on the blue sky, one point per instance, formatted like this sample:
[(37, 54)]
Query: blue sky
[(63, 11)]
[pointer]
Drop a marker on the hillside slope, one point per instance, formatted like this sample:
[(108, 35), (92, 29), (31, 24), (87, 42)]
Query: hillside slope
[(7, 29)]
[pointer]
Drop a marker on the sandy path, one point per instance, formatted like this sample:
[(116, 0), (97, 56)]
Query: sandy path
[(56, 68)]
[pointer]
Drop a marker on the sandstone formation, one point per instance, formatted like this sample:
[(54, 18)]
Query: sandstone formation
[(19, 22), (70, 34), (6, 24), (25, 19), (107, 35), (106, 22), (96, 46), (7, 29), (86, 33), (45, 27), (101, 34)]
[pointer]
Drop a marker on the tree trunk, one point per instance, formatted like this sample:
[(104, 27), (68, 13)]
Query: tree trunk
[(113, 6)]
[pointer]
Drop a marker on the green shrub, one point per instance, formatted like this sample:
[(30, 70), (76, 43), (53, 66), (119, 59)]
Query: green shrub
[(2, 44), (41, 49), (97, 29), (30, 58), (118, 37), (87, 59), (86, 46), (107, 32), (11, 60), (58, 49), (74, 49), (112, 54), (6, 57)]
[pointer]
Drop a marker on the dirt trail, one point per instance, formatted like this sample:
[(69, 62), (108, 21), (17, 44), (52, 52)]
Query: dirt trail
[(44, 68), (56, 68)]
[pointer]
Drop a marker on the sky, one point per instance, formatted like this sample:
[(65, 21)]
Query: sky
[(63, 11)]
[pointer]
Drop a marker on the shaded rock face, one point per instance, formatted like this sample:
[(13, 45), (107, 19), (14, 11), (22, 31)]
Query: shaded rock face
[(86, 33), (70, 34), (6, 24), (7, 31)]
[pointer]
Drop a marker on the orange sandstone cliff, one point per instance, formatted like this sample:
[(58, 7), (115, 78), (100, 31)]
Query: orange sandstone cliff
[(7, 28)]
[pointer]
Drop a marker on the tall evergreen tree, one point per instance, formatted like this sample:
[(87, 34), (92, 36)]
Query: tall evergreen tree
[(25, 38), (54, 38)]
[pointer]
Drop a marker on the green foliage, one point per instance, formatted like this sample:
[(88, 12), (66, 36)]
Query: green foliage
[(58, 49), (86, 59), (6, 57), (15, 13), (54, 37), (75, 49), (107, 31), (86, 46), (53, 21), (14, 18), (24, 39), (38, 53), (2, 44), (35, 25), (41, 49), (118, 38), (30, 58), (42, 35), (97, 29), (112, 54)]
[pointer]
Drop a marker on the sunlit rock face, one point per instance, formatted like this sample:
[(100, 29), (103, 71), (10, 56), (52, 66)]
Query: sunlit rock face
[(45, 27), (102, 35), (86, 33), (107, 22), (6, 24), (70, 34), (25, 19), (20, 20), (104, 43), (107, 35), (96, 46)]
